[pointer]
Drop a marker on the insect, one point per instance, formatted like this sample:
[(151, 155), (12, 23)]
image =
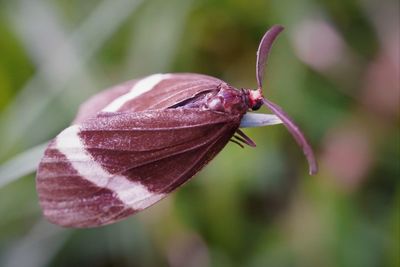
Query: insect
[(133, 144)]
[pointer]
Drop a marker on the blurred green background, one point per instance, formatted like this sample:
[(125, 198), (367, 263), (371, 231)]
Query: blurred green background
[(335, 70)]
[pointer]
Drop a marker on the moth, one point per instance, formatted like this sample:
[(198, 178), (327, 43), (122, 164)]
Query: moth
[(133, 144)]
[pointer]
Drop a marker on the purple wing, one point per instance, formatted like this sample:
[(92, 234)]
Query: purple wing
[(157, 91), (116, 164)]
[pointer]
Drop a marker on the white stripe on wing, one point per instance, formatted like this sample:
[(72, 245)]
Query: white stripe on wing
[(132, 194), (142, 86)]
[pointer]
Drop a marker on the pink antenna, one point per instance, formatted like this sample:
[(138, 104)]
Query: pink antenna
[(296, 133), (263, 51), (262, 56)]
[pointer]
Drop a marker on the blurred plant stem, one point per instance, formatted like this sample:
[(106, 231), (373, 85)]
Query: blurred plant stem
[(23, 164)]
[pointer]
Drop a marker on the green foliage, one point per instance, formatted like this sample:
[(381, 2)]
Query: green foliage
[(249, 207)]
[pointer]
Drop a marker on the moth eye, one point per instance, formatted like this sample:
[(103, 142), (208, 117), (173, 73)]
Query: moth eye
[(256, 106)]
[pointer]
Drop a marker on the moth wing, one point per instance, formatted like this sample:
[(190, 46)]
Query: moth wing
[(116, 164), (157, 91)]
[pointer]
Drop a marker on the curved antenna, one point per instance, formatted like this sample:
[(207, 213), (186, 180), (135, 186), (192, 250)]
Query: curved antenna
[(296, 133), (263, 51)]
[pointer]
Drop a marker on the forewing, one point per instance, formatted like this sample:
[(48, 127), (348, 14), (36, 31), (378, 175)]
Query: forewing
[(157, 91), (116, 164)]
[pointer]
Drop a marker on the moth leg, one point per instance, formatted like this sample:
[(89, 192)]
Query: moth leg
[(242, 137), (236, 142)]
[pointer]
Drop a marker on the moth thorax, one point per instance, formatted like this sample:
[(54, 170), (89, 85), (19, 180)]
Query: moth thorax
[(229, 100)]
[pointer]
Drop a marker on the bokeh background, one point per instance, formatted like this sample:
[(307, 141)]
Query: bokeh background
[(335, 70)]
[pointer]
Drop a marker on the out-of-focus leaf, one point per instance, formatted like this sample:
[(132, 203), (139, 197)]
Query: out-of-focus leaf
[(82, 44), (37, 248), (21, 165)]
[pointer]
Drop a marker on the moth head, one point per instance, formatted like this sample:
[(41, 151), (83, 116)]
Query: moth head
[(255, 99)]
